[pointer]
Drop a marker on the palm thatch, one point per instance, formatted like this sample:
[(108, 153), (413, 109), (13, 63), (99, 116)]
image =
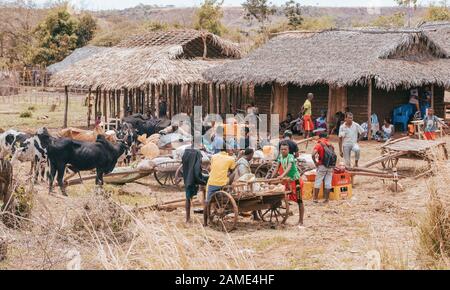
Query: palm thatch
[(172, 57), (342, 58), (439, 32), (76, 56)]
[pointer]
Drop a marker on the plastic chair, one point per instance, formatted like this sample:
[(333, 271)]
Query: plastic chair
[(401, 115)]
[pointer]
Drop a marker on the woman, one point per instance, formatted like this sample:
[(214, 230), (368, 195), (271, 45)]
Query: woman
[(387, 131), (287, 168)]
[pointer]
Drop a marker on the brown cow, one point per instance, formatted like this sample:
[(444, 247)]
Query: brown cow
[(86, 135)]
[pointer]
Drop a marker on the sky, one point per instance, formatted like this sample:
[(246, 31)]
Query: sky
[(121, 4)]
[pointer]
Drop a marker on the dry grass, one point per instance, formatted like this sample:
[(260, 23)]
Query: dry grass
[(96, 232), (434, 230), (42, 113)]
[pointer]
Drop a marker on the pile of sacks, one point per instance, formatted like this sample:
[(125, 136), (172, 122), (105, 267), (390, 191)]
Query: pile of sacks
[(150, 149)]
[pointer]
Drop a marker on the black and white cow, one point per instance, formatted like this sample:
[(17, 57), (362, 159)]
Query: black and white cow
[(31, 150), (11, 139)]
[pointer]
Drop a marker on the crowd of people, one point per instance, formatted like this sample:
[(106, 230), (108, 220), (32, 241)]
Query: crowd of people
[(224, 169)]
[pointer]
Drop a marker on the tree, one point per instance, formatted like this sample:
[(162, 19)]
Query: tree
[(260, 10), (437, 13), (87, 25), (16, 31), (410, 5), (56, 37), (208, 17), (293, 13)]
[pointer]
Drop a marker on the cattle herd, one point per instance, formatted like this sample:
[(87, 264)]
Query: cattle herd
[(71, 149)]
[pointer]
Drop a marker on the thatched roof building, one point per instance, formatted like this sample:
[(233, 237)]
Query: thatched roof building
[(146, 70), (342, 58), (175, 57), (439, 32), (77, 55), (366, 70)]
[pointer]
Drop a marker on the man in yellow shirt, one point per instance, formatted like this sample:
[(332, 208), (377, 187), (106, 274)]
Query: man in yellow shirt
[(308, 124), (221, 164)]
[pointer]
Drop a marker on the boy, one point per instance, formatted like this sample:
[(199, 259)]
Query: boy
[(431, 125), (287, 167)]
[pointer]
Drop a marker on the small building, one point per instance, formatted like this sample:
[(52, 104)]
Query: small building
[(152, 73), (368, 71)]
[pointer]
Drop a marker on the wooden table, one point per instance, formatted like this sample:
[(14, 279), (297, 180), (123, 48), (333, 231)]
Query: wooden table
[(419, 128)]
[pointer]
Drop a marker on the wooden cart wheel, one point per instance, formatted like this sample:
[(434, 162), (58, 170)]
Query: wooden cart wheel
[(390, 163), (278, 212), (164, 177), (262, 170), (223, 211), (178, 179)]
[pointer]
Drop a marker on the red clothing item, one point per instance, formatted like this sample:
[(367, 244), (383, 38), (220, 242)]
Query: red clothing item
[(291, 186), (319, 148), (308, 124), (430, 135)]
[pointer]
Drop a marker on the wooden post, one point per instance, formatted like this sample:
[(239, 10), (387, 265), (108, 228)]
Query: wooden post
[(432, 98), (89, 108), (329, 116), (66, 107), (369, 111), (157, 100), (105, 116), (211, 98), (96, 104), (205, 47)]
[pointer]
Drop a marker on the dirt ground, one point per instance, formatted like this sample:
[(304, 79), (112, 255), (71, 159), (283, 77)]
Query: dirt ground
[(340, 235)]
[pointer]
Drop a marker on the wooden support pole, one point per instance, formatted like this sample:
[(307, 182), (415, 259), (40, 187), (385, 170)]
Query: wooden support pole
[(89, 104), (96, 104), (330, 104), (105, 113), (157, 100), (66, 107), (369, 111), (432, 99)]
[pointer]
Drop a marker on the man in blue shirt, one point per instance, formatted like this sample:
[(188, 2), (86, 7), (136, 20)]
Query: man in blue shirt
[(218, 143)]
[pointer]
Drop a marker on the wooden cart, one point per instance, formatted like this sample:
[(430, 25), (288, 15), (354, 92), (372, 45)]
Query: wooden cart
[(271, 205), (165, 173), (407, 148)]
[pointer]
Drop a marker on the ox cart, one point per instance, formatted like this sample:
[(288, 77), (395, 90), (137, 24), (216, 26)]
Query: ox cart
[(407, 148), (163, 172), (266, 197)]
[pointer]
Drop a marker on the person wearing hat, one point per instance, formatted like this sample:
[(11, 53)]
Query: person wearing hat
[(288, 139)]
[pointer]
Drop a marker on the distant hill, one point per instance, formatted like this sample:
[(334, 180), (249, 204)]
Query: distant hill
[(234, 16)]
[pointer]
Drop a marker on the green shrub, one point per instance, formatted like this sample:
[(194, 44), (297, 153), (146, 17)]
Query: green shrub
[(26, 114)]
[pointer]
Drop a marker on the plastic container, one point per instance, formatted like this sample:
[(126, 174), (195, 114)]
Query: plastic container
[(310, 176), (344, 178), (341, 192)]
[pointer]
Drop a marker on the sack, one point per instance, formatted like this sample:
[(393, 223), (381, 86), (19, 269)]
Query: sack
[(329, 157)]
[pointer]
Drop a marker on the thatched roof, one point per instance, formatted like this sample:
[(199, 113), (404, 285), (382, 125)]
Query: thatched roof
[(341, 58), (76, 56), (173, 57), (439, 32)]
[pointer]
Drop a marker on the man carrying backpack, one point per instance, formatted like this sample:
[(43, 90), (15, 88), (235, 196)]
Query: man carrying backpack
[(325, 159)]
